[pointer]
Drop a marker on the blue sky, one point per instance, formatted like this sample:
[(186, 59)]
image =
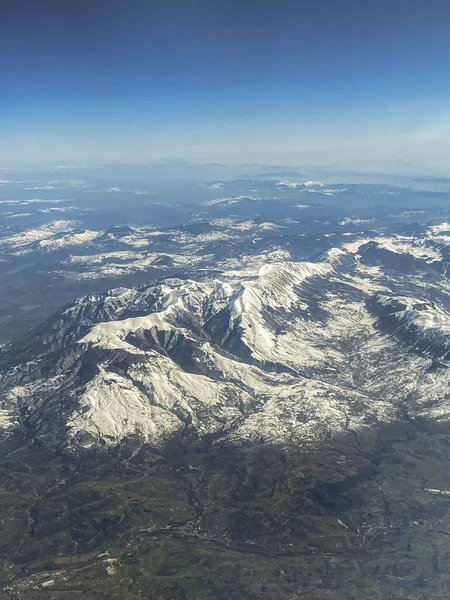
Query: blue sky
[(348, 83)]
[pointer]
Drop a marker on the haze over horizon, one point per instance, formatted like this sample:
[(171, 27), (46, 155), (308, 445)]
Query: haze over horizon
[(349, 84)]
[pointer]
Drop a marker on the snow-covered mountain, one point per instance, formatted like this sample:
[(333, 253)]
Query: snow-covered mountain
[(252, 405), (283, 351)]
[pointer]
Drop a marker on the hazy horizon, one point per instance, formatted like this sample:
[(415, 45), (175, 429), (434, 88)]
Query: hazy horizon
[(346, 84)]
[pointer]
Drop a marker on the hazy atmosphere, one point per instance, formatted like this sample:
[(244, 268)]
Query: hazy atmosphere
[(349, 84)]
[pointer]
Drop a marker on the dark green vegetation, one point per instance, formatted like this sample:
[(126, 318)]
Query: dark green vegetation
[(201, 521)]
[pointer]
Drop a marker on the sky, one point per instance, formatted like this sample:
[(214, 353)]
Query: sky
[(344, 83)]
